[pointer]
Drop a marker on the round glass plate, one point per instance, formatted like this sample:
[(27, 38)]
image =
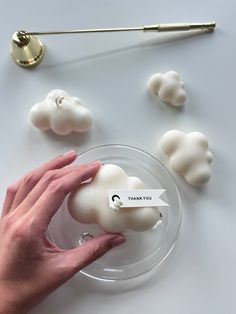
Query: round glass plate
[(142, 250)]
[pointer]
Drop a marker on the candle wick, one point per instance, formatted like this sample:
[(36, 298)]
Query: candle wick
[(59, 101), (117, 204)]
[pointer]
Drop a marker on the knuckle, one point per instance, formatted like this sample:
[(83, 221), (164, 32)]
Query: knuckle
[(25, 229), (30, 179), (55, 187), (32, 226), (97, 251), (19, 232), (49, 176), (7, 223)]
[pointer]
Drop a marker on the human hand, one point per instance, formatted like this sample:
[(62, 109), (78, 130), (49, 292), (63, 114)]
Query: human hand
[(31, 266)]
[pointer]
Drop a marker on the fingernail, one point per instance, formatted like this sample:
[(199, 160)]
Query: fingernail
[(95, 163), (70, 153), (118, 240)]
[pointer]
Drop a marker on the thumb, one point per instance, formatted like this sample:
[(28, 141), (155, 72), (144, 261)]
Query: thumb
[(95, 248)]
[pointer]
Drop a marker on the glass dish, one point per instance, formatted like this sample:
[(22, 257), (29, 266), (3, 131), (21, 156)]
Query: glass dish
[(143, 250)]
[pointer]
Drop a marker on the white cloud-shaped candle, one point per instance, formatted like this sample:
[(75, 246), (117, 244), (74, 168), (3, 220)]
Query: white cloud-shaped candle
[(90, 203), (61, 113), (188, 155), (168, 87)]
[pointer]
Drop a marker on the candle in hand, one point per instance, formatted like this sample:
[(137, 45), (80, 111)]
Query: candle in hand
[(90, 204)]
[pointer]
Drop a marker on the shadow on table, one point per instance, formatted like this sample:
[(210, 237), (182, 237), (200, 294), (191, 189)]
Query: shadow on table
[(164, 39)]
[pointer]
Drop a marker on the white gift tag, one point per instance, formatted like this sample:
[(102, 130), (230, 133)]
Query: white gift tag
[(136, 198)]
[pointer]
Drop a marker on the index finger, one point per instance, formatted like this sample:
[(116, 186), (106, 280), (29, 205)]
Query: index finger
[(28, 182), (52, 198)]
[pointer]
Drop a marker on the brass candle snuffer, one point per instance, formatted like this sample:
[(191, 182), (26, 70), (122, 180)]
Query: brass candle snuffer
[(28, 50)]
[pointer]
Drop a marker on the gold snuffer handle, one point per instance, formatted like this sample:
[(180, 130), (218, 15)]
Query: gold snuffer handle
[(28, 50)]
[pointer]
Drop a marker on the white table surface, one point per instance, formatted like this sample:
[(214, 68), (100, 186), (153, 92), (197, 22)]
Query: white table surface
[(109, 72)]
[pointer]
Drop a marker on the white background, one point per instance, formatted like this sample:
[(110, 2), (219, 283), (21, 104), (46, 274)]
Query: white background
[(109, 73)]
